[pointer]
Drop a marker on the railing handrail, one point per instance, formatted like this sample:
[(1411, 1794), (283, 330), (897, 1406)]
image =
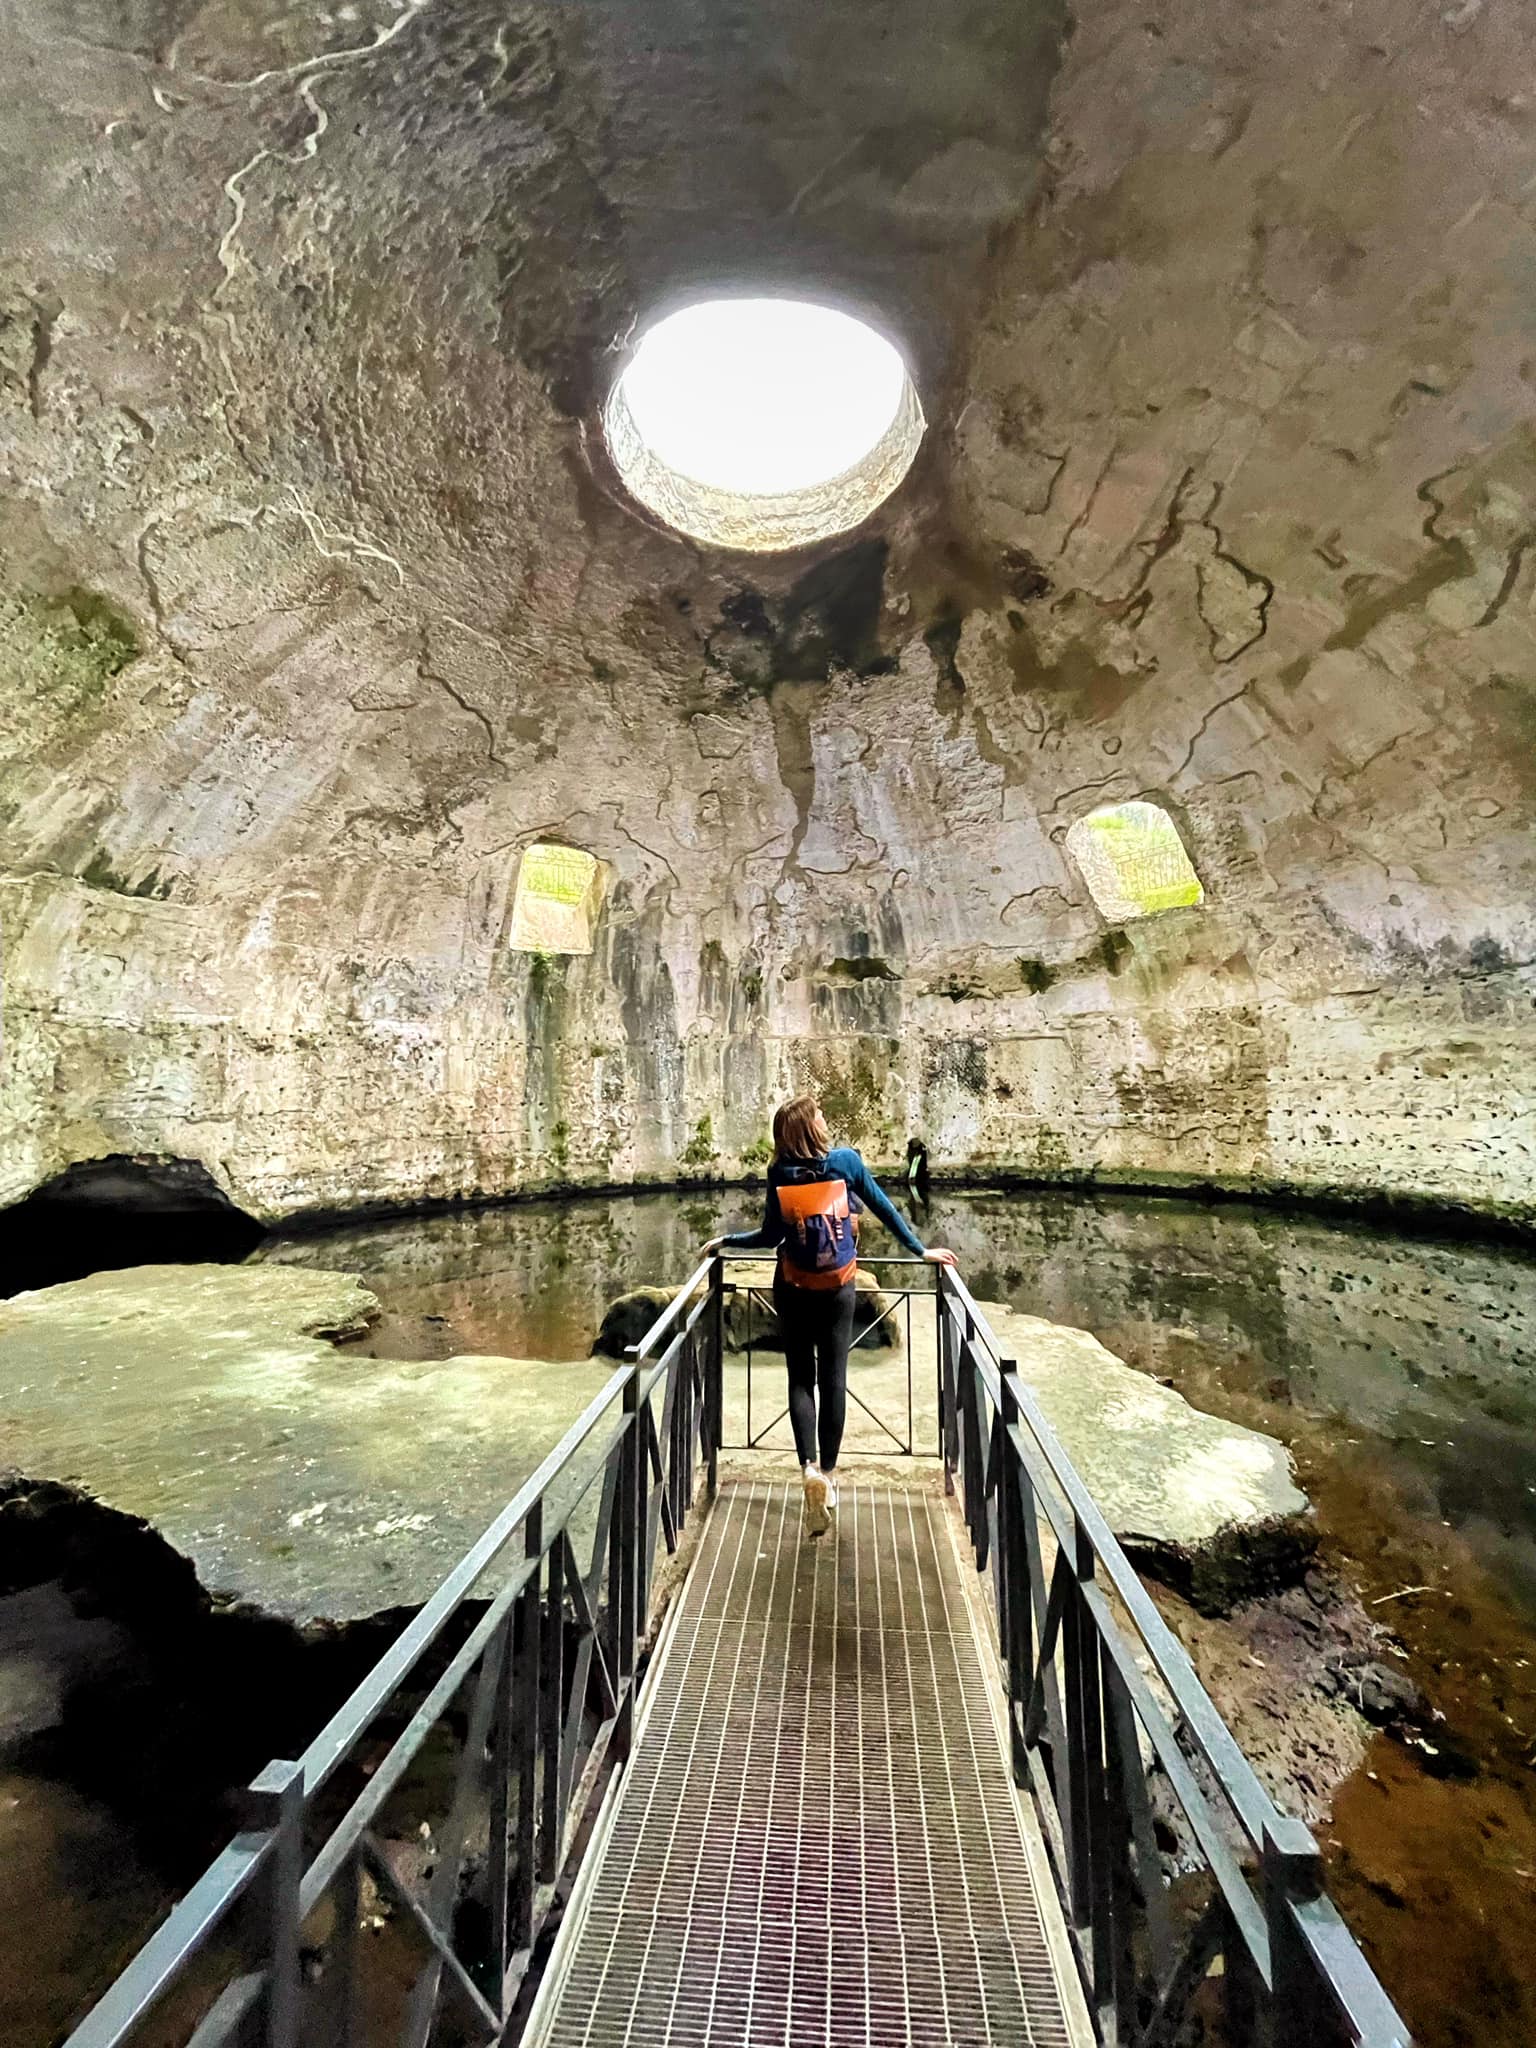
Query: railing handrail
[(1218, 1745), (352, 1718), (210, 1902), (672, 1311), (1275, 1839), (760, 1254), (197, 1914)]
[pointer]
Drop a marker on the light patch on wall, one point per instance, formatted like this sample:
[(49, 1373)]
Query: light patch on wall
[(1133, 861), (555, 908)]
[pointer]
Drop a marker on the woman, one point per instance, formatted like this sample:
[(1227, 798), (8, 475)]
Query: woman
[(813, 1189)]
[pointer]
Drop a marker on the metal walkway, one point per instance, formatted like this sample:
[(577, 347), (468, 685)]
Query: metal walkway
[(817, 1838), (945, 1777)]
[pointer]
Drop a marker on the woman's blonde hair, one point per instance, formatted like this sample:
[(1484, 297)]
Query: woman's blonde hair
[(800, 1130)]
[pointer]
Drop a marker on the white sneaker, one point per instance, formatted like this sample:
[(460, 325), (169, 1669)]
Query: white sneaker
[(818, 1494)]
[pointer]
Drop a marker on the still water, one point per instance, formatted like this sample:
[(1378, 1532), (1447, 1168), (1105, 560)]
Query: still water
[(1400, 1370), (1425, 1349)]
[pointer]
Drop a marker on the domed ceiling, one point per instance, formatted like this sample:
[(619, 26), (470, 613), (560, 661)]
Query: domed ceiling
[(321, 602)]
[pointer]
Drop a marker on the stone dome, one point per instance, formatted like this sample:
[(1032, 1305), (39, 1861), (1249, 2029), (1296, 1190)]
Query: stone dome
[(322, 601)]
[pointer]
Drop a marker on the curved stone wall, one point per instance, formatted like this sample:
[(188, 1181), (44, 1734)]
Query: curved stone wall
[(317, 608)]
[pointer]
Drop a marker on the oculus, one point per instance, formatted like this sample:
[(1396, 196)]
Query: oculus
[(762, 423)]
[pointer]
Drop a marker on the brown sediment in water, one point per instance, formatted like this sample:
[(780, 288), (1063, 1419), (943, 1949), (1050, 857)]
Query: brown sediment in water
[(70, 1874), (1453, 1927), (1453, 1936), (1431, 1846)]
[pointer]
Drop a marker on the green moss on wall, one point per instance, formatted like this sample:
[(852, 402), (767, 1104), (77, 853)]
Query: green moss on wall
[(99, 873), (700, 1149), (63, 651), (867, 967), (850, 1086), (1052, 1153), (1115, 949)]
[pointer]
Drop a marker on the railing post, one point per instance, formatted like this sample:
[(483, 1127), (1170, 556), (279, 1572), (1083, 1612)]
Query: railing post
[(552, 1718), (630, 1530), (1081, 1685), (274, 1804), (714, 1375), (502, 1763), (946, 1371), (341, 2021), (1012, 1569), (523, 1653), (973, 1457), (1120, 1894), (680, 1438), (1291, 1872)]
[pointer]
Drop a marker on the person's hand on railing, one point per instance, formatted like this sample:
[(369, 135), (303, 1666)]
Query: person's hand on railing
[(936, 1255), (715, 1244)]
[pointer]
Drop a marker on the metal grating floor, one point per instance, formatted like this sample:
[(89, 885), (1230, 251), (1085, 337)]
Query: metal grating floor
[(817, 1839)]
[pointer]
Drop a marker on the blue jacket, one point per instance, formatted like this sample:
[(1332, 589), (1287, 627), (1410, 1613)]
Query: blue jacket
[(841, 1163)]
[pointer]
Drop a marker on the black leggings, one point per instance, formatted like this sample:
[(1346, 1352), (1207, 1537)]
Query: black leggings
[(817, 1327)]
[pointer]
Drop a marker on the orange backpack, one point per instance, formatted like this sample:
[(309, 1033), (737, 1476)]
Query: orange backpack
[(818, 1247)]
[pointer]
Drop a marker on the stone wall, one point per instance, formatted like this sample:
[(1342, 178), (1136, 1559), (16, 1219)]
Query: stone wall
[(318, 603)]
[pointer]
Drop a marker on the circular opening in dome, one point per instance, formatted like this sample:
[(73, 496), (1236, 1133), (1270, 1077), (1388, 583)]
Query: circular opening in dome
[(763, 423)]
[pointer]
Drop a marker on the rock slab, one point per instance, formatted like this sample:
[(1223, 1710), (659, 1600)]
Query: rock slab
[(1212, 1505), (301, 1480)]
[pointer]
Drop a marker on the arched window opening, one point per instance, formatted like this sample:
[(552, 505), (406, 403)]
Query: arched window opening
[(1133, 860), (762, 423), (559, 891)]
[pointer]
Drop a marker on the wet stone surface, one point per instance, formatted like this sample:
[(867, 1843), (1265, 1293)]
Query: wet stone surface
[(297, 1479), (1211, 1503)]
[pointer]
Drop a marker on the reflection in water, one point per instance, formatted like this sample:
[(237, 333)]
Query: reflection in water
[(1401, 1370), (1427, 1349), (526, 1281)]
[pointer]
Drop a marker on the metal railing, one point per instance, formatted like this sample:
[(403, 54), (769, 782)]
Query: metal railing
[(898, 1303), (1187, 1892), (506, 1703)]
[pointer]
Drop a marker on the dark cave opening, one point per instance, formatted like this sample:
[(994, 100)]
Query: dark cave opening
[(100, 1215)]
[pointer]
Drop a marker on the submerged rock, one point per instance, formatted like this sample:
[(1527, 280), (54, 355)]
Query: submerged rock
[(1210, 1506), (626, 1320), (1272, 1666), (750, 1312), (302, 1481)]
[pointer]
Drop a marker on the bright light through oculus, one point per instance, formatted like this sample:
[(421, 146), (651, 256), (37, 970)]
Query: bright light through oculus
[(763, 395), (763, 423)]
